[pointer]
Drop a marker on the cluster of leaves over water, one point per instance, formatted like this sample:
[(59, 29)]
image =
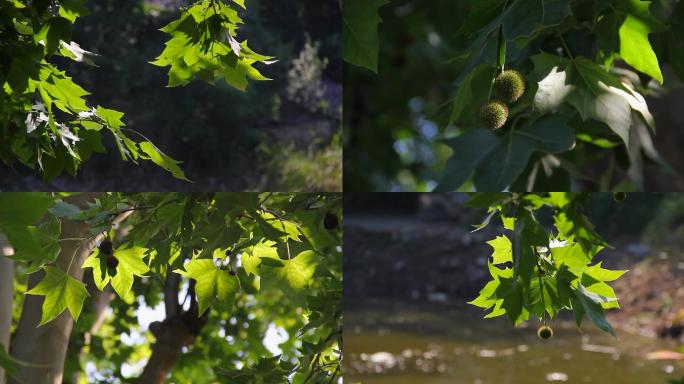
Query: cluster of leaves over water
[(46, 120), (254, 261), (536, 272), (204, 45), (587, 64)]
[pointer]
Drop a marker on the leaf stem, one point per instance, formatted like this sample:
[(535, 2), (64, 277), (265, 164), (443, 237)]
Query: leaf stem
[(565, 45), (541, 285)]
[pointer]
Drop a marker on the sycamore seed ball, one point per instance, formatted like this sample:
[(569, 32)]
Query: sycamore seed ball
[(545, 332), (494, 114), (509, 86)]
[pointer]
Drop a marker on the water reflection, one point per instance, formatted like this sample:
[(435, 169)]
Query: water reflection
[(434, 344)]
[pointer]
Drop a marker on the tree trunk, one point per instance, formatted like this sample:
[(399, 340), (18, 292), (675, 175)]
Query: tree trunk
[(6, 296), (99, 302), (45, 347), (180, 329), (172, 335)]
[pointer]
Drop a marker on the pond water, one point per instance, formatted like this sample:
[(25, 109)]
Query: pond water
[(435, 344)]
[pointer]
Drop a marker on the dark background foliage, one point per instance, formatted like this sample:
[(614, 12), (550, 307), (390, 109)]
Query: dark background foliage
[(227, 140), (394, 119)]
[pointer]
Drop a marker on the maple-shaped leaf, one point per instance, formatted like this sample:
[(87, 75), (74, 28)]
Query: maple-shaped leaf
[(251, 258), (211, 283), (360, 32), (130, 264), (293, 277), (61, 292), (17, 212), (502, 249), (595, 93)]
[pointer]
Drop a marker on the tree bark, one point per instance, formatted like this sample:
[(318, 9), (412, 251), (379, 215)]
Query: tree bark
[(45, 347), (6, 296), (172, 335), (99, 302), (180, 329)]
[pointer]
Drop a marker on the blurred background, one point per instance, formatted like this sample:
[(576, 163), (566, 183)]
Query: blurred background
[(394, 120), (412, 264), (279, 135)]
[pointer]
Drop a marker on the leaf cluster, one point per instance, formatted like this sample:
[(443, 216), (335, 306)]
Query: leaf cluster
[(47, 122), (539, 273), (591, 62), (204, 45), (263, 259)]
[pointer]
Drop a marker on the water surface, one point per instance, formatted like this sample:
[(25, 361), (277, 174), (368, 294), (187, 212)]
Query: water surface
[(440, 343)]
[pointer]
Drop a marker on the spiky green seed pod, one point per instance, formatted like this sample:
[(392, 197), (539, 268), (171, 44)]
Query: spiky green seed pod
[(619, 196), (494, 114), (545, 332), (509, 86)]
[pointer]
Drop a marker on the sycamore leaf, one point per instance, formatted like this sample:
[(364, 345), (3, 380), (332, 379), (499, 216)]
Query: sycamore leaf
[(360, 20), (507, 160), (162, 160), (593, 92), (130, 264), (61, 292), (502, 249), (251, 258), (294, 276), (99, 266), (635, 48), (17, 212), (601, 274), (586, 303), (211, 283), (522, 19), (468, 150)]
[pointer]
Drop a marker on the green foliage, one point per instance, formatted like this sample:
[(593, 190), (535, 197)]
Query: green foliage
[(47, 121), (128, 264), (204, 45), (593, 62), (536, 272), (212, 283), (494, 114), (360, 31), (7, 363), (591, 89), (61, 292), (18, 212), (250, 261)]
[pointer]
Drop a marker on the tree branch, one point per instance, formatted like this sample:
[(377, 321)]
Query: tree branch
[(172, 335), (171, 288)]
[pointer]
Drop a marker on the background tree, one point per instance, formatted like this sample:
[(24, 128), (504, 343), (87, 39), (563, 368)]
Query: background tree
[(231, 278)]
